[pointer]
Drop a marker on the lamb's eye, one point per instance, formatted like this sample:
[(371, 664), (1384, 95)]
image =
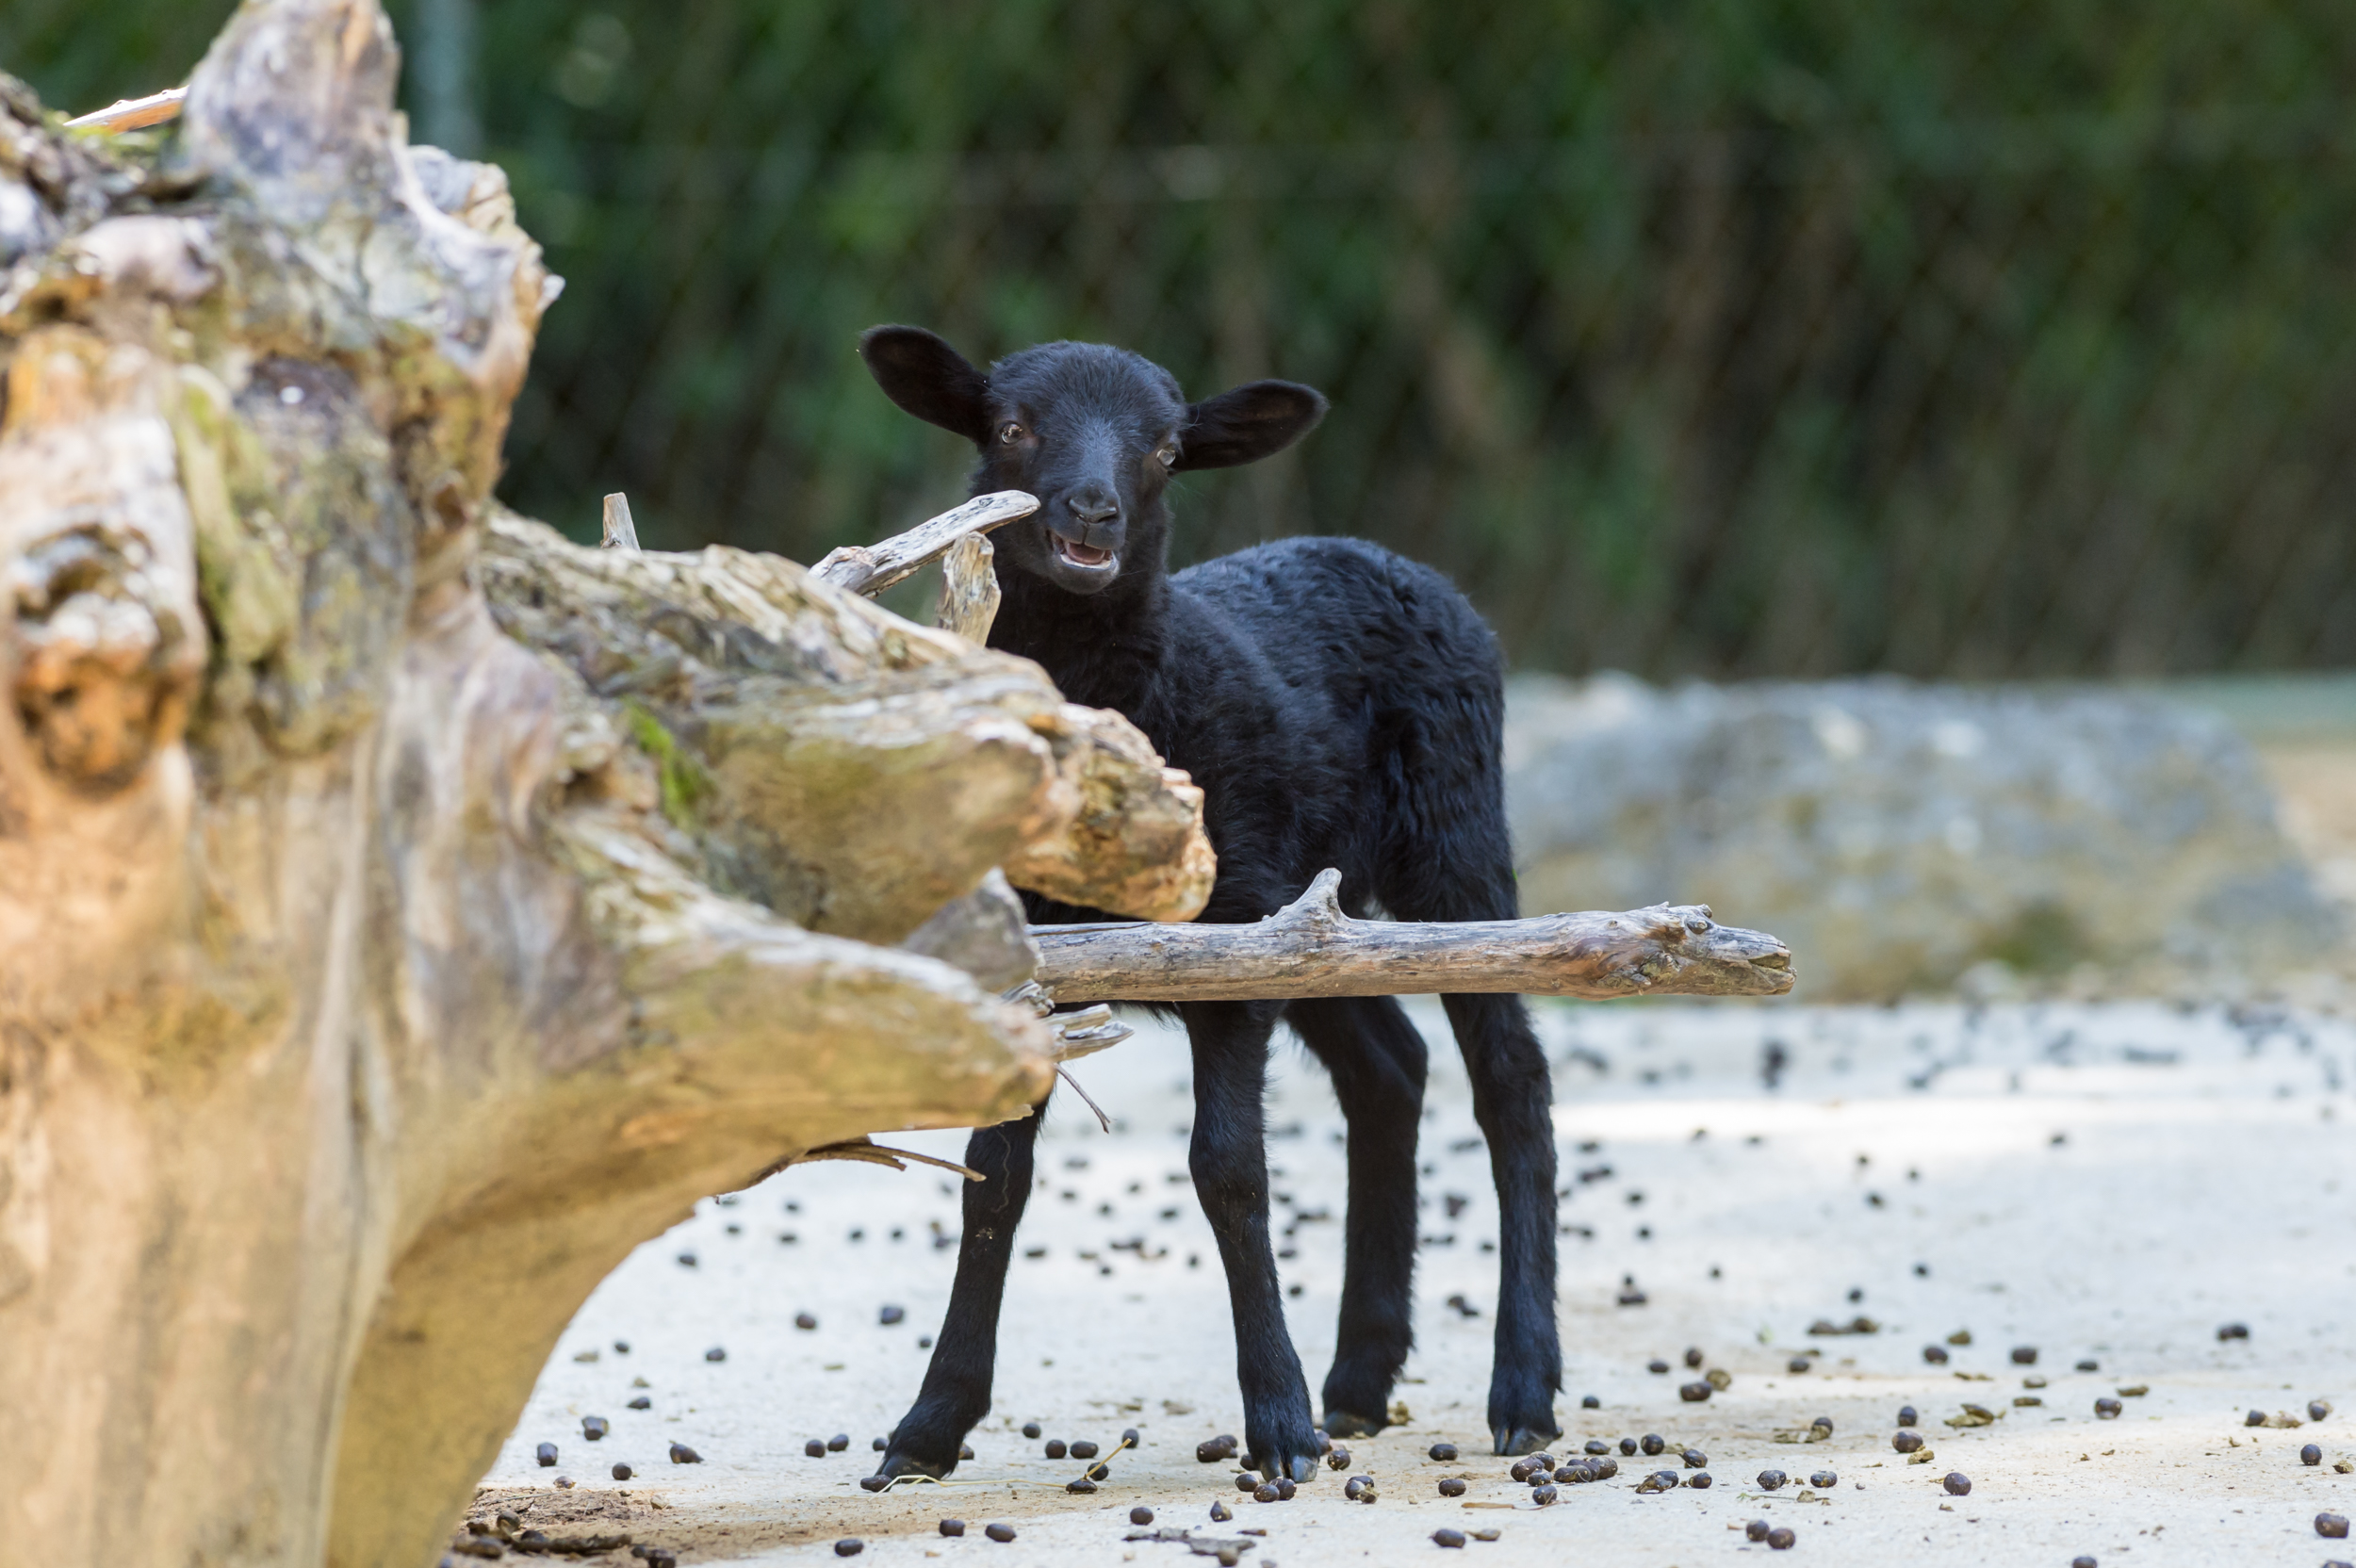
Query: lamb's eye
[(1168, 456), (1009, 432)]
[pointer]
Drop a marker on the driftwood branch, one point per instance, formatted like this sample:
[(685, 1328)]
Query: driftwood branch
[(132, 114), (777, 711), (873, 568), (1311, 948)]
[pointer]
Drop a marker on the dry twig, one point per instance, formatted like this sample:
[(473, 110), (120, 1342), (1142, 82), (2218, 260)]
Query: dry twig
[(872, 568), (132, 114), (868, 1152)]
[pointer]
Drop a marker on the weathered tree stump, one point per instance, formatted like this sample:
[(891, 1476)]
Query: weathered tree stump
[(404, 912)]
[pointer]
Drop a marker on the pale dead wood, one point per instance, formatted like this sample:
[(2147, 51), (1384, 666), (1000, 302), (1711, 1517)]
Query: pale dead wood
[(132, 114), (1311, 948), (620, 534), (1079, 1031), (873, 568), (785, 705), (983, 933), (1137, 844), (968, 589), (1085, 1032)]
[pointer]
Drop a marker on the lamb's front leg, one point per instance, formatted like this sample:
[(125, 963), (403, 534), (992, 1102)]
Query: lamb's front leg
[(1229, 1161), (956, 1394)]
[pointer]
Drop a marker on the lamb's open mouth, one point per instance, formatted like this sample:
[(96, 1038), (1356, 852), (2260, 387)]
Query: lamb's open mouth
[(1081, 555)]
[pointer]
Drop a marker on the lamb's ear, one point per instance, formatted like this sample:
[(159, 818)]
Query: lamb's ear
[(929, 379), (1249, 423)]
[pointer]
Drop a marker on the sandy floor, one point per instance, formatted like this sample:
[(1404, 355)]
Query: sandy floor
[(2101, 1184)]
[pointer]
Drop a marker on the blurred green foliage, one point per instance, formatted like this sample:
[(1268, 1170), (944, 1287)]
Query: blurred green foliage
[(1693, 336), (81, 57)]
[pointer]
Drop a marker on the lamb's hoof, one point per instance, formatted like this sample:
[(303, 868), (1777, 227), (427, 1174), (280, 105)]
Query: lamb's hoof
[(1525, 1440), (1300, 1467), (1340, 1424), (898, 1464)]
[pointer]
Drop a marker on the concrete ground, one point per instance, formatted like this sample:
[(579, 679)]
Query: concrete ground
[(2107, 1184)]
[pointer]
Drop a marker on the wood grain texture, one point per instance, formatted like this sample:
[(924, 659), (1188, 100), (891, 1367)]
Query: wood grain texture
[(968, 589), (1137, 844)]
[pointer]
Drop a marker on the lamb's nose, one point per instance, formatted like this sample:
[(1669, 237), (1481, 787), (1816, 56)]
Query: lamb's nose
[(1091, 510)]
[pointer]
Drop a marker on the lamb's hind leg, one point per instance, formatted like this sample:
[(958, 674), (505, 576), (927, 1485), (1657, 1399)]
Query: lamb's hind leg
[(1449, 858), (1376, 1060), (957, 1381), (1511, 1100)]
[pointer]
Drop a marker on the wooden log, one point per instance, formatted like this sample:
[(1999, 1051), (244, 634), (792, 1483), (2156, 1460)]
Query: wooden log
[(873, 568), (983, 933), (1311, 948), (968, 589)]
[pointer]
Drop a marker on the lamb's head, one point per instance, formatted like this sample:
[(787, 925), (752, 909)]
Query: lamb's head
[(1095, 432)]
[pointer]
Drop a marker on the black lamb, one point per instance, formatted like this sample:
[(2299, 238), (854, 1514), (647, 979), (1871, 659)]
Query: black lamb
[(1339, 705)]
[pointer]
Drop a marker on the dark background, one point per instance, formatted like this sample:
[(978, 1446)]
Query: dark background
[(1945, 336)]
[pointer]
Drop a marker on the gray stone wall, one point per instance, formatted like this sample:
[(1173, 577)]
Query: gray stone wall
[(1905, 837)]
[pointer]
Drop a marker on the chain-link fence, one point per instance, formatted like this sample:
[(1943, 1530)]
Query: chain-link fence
[(1949, 336)]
